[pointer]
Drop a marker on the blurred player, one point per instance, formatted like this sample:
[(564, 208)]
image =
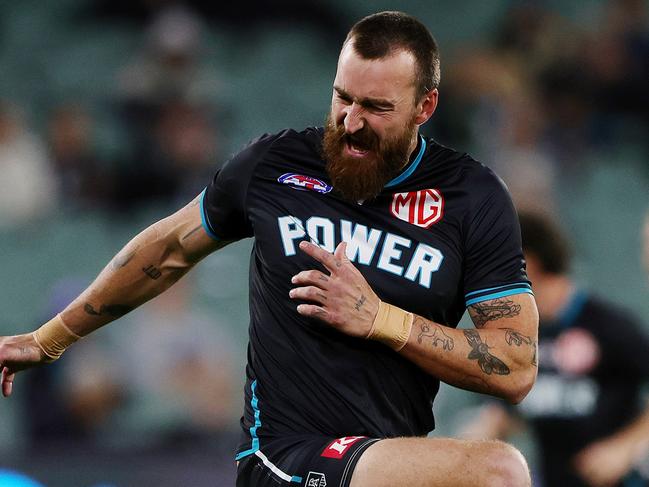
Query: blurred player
[(346, 219), (585, 409)]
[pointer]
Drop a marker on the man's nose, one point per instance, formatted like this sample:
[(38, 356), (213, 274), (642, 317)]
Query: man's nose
[(354, 120)]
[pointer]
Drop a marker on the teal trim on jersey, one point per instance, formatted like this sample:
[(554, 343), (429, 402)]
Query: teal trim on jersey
[(517, 284), (520, 290), (411, 168), (204, 220), (253, 429)]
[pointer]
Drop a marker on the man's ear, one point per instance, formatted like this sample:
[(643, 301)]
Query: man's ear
[(427, 106)]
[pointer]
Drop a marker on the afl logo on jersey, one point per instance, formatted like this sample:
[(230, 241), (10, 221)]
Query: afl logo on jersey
[(304, 183), (422, 208)]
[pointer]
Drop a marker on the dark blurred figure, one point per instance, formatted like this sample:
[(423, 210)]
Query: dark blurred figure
[(585, 409), (596, 94), (85, 182), (160, 92)]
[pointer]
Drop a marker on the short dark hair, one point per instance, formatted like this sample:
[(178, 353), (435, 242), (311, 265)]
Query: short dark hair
[(381, 34), (543, 238)]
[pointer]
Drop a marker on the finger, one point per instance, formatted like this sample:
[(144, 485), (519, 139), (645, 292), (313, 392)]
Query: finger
[(321, 255), (313, 311), (7, 382), (341, 252), (313, 277), (308, 293)]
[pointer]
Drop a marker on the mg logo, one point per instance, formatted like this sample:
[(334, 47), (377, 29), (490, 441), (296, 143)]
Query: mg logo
[(422, 208)]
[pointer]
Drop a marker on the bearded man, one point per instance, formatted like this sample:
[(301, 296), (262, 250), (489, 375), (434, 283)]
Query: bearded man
[(371, 241)]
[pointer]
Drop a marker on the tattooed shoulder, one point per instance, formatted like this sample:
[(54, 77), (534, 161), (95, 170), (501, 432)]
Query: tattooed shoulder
[(492, 310)]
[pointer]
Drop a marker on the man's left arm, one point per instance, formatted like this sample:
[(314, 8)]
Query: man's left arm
[(498, 357)]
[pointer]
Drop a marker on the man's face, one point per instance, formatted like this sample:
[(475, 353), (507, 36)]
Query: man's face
[(372, 127)]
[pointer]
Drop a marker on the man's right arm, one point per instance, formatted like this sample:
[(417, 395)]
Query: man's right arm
[(148, 265)]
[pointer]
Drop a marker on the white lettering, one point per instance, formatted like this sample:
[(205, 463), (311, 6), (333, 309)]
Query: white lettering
[(360, 245), (425, 261), (327, 241), (390, 252), (290, 229)]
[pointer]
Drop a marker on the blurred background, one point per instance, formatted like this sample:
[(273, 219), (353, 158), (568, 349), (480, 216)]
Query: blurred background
[(114, 113)]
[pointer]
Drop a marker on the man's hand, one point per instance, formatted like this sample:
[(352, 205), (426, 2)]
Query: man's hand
[(17, 353), (343, 299), (604, 463)]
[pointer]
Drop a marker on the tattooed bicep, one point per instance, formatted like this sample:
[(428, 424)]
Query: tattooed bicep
[(493, 310)]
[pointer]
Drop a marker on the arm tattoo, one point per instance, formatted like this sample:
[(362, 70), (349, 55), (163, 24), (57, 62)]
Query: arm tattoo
[(480, 352), (123, 258), (192, 232), (437, 336), (152, 271), (361, 301), (492, 310), (114, 310), (514, 337)]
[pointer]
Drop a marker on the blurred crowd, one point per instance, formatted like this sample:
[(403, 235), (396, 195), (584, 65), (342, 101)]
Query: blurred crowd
[(535, 101), (545, 95), (541, 100)]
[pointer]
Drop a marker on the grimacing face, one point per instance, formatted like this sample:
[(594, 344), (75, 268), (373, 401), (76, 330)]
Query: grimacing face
[(372, 127)]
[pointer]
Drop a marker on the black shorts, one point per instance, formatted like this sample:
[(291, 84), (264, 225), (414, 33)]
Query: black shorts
[(304, 460)]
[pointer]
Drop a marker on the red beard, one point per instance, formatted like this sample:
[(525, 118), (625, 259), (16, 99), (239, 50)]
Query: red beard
[(363, 178)]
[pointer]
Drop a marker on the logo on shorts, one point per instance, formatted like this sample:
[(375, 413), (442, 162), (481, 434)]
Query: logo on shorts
[(315, 479), (422, 208), (339, 447), (304, 183)]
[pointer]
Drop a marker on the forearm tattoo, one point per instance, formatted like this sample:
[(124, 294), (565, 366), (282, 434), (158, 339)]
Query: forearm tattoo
[(515, 337), (492, 310), (114, 310), (152, 271), (488, 363), (435, 333)]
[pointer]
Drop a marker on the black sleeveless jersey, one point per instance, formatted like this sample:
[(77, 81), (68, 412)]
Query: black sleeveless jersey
[(441, 236)]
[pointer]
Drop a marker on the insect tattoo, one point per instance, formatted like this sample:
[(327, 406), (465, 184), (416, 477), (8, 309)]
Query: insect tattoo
[(488, 363)]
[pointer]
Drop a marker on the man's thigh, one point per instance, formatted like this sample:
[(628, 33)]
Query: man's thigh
[(440, 462), (302, 461)]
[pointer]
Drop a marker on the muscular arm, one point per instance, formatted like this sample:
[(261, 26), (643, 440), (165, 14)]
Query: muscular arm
[(149, 264), (498, 357)]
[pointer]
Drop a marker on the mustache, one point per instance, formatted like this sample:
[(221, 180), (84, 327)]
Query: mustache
[(364, 139)]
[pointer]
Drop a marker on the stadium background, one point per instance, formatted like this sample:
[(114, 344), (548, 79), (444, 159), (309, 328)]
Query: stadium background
[(112, 114)]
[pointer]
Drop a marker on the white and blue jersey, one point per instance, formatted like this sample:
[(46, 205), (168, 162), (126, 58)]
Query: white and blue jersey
[(441, 236)]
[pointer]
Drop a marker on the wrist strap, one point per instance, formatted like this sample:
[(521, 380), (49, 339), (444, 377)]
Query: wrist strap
[(54, 337), (391, 326)]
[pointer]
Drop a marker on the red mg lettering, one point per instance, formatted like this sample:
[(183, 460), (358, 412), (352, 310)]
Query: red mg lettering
[(423, 208)]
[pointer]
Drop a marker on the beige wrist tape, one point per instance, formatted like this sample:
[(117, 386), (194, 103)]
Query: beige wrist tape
[(54, 337), (391, 326)]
